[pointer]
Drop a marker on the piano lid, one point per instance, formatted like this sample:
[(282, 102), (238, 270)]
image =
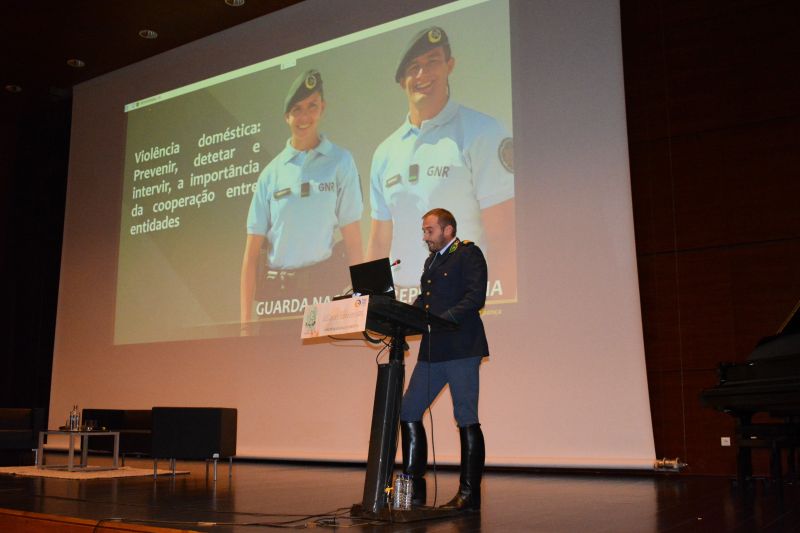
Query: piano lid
[(792, 323), (786, 342), (768, 382)]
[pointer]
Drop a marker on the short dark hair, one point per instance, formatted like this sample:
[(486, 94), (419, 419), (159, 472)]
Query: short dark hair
[(445, 217)]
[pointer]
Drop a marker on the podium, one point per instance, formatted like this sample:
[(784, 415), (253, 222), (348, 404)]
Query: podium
[(397, 320)]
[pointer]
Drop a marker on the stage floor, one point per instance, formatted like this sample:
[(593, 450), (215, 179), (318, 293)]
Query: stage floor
[(260, 493)]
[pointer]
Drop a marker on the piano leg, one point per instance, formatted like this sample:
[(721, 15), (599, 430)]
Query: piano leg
[(793, 423), (744, 460), (775, 466)]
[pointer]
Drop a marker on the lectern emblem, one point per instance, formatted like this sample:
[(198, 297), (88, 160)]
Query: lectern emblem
[(311, 318)]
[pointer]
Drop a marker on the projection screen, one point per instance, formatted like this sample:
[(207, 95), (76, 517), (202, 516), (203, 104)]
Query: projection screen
[(167, 156)]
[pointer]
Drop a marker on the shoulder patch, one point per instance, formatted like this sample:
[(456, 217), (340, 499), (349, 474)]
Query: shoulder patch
[(467, 243), (506, 154)]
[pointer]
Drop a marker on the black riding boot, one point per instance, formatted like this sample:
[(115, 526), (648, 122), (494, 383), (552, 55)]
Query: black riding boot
[(473, 454), (415, 458)]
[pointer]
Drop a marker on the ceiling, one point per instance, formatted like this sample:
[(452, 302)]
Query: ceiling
[(39, 37)]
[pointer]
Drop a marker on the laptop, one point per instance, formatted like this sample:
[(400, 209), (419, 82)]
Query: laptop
[(373, 277)]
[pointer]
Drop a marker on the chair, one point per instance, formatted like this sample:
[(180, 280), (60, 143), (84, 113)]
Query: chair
[(19, 432), (134, 426), (207, 433)]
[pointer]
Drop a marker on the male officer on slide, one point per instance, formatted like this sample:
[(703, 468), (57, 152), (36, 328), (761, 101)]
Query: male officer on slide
[(453, 287), (443, 154)]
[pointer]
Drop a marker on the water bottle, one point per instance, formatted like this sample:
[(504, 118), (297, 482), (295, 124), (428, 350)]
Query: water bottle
[(399, 492), (74, 419), (409, 491)]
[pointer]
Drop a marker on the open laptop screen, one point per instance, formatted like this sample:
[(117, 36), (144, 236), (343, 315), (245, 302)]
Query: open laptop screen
[(373, 277)]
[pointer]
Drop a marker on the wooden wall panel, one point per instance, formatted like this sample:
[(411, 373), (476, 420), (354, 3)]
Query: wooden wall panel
[(660, 307), (653, 194), (704, 427), (699, 309), (737, 185), (645, 71), (713, 110), (717, 188), (766, 288), (706, 309), (683, 428), (727, 62)]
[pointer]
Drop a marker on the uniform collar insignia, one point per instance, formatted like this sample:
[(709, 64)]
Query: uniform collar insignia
[(453, 246)]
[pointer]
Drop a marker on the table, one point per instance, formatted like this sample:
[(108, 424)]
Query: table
[(84, 439)]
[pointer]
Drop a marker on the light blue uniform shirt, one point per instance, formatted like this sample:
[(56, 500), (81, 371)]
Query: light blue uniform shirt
[(300, 229), (453, 161)]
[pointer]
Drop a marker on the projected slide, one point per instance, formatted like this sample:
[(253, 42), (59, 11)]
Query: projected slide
[(179, 161), (246, 196)]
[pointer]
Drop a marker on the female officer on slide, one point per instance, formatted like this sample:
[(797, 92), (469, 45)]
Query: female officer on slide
[(308, 191)]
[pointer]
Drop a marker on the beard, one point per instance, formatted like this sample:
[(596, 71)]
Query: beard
[(435, 246)]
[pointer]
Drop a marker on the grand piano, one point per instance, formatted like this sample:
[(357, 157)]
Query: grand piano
[(768, 382)]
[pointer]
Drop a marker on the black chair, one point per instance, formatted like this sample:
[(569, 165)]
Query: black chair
[(19, 434), (134, 426), (207, 433)]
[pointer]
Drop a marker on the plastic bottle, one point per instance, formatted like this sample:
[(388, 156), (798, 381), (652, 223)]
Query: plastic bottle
[(409, 491), (74, 419), (399, 492)]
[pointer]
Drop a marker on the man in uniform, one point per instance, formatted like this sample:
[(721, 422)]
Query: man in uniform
[(453, 287), (444, 153), (302, 196)]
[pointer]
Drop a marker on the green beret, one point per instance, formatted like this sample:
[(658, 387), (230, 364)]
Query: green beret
[(304, 86), (423, 42)]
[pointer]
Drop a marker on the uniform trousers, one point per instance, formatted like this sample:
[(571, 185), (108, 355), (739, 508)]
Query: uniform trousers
[(332, 274), (428, 380)]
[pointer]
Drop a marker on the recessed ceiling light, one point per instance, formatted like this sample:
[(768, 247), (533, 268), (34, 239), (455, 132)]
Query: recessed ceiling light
[(75, 63), (148, 34), (235, 3), (12, 88)]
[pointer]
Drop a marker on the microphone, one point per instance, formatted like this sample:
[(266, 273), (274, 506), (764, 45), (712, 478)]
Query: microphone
[(396, 262)]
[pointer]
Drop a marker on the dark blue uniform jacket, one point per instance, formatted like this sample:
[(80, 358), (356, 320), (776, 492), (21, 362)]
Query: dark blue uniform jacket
[(454, 287)]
